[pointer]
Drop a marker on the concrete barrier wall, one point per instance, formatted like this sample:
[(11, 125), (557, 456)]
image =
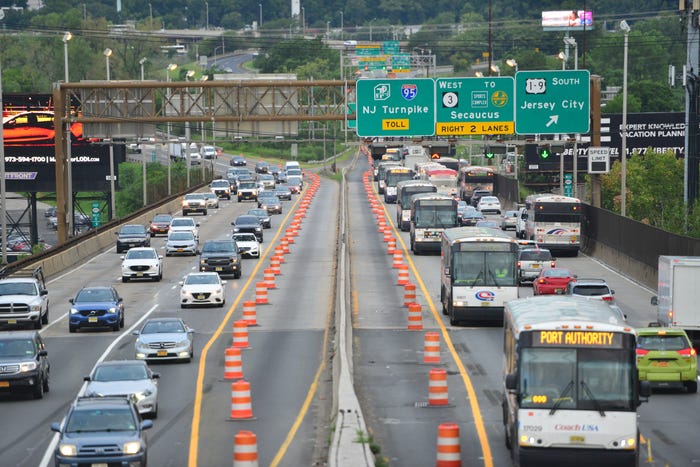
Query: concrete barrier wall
[(635, 270)]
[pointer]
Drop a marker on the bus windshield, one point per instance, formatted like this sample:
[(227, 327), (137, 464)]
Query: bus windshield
[(557, 212), (484, 268), (576, 379), (436, 216)]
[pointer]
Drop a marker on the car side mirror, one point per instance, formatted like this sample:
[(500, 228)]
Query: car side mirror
[(446, 271), (71, 300), (181, 283), (55, 426), (121, 258), (655, 300), (233, 223), (511, 382), (43, 353), (146, 424), (155, 375), (612, 292), (135, 333), (86, 378)]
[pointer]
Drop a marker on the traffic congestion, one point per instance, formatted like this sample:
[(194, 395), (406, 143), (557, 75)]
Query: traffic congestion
[(427, 302)]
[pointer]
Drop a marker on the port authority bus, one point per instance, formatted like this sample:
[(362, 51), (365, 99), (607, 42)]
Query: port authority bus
[(554, 222), (571, 389), (478, 274), (404, 191), (393, 176), (474, 177), (431, 213)]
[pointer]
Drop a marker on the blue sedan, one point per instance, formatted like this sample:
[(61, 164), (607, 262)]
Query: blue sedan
[(96, 307)]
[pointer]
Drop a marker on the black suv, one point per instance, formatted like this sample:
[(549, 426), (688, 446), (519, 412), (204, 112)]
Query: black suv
[(262, 167), (24, 363), (248, 223), (132, 235), (220, 256), (102, 431)]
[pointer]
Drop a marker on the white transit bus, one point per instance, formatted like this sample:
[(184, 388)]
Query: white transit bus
[(571, 389), (554, 222), (393, 176), (479, 274), (431, 213), (404, 191)]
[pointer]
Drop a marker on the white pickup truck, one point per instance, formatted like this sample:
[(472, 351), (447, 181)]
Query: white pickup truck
[(24, 299)]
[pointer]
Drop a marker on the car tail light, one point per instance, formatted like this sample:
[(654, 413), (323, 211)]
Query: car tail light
[(607, 298), (552, 264), (642, 352), (687, 352), (519, 264), (541, 281)]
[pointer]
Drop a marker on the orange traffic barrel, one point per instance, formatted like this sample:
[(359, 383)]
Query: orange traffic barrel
[(269, 278), (275, 265), (398, 259), (415, 317), (391, 246), (448, 451), (437, 387), (245, 449), (261, 293), (233, 363), (249, 314), (285, 244), (403, 274), (409, 294), (240, 334), (241, 402), (431, 347)]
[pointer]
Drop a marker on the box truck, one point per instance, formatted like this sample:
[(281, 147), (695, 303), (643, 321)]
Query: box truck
[(678, 294)]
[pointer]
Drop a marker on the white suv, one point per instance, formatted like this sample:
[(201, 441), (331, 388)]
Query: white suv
[(142, 263), (184, 223), (596, 289)]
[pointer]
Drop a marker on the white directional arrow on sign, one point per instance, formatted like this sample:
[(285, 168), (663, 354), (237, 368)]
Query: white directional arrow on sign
[(552, 119)]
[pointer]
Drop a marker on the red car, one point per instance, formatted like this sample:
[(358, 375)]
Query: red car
[(160, 224), (552, 281)]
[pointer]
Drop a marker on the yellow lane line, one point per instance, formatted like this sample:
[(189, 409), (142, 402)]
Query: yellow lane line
[(197, 408)]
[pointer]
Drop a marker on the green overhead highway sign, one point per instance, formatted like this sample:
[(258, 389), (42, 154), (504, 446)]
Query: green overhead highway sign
[(395, 107), (474, 106), (552, 102)]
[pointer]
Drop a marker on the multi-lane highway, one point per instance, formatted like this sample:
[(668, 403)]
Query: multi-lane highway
[(288, 362)]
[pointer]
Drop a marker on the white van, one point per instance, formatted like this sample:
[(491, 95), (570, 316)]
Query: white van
[(291, 165)]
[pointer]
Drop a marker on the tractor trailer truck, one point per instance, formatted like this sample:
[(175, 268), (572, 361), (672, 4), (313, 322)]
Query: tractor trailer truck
[(678, 295)]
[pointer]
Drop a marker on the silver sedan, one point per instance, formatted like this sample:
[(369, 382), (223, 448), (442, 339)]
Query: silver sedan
[(164, 339), (181, 243), (125, 377)]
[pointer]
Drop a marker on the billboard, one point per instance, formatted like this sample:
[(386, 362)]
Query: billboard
[(567, 20), (30, 164)]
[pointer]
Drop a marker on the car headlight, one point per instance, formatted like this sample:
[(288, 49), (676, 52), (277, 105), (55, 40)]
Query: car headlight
[(27, 366), (234, 259), (236, 229), (35, 307), (68, 449), (202, 262), (183, 342), (132, 447), (218, 291), (73, 311), (113, 309), (258, 229)]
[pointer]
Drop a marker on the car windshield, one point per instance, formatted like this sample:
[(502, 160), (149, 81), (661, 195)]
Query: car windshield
[(202, 279), (162, 218), (133, 229), (17, 288), (182, 223), (591, 290), (489, 199), (94, 295), (162, 327), (535, 255), (220, 183), (658, 342), (210, 195), (217, 247), (140, 254), (126, 372), (181, 236), (560, 273), (257, 212), (82, 421), (247, 220), (194, 196), (245, 238), (16, 348)]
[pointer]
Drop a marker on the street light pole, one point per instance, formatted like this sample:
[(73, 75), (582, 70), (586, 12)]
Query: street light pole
[(342, 26), (142, 62), (623, 150), (107, 53), (113, 205), (260, 8), (170, 68), (207, 8), (67, 36), (188, 75)]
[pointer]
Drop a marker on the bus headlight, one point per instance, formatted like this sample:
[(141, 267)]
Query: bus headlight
[(625, 443)]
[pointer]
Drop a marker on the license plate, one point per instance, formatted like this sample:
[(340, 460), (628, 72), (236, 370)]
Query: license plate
[(219, 268), (11, 321), (92, 319), (577, 439), (180, 250), (200, 297), (99, 465), (162, 353), (535, 266), (4, 384), (485, 303), (660, 364), (139, 274), (558, 290)]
